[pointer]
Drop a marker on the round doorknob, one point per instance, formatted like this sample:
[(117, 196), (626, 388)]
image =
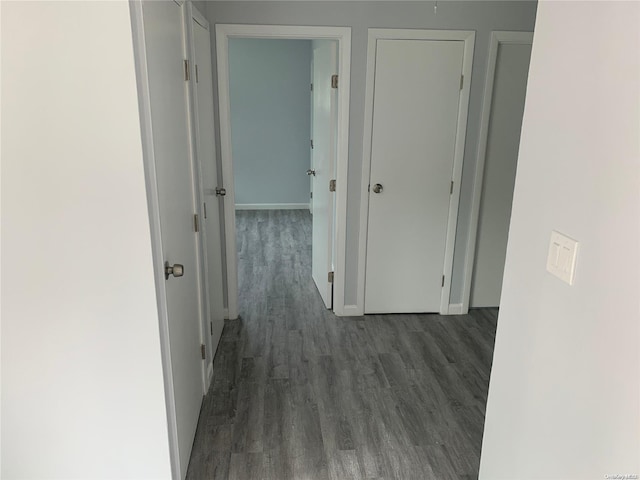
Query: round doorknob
[(377, 188), (176, 270), (311, 172)]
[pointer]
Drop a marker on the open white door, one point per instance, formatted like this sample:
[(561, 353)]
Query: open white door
[(417, 88), (206, 152), (168, 104), (325, 118)]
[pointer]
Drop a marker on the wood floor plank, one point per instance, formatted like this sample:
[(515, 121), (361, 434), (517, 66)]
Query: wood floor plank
[(246, 466), (298, 393), (344, 465)]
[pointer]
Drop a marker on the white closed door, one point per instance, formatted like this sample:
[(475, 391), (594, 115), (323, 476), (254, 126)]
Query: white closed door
[(416, 97), (205, 138), (164, 37), (325, 100)]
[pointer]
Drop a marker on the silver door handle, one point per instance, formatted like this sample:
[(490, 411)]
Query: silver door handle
[(176, 270), (311, 172), (377, 188), (221, 192)]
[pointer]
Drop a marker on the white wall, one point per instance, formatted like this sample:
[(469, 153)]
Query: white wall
[(481, 16), (82, 386), (564, 396), (270, 120)]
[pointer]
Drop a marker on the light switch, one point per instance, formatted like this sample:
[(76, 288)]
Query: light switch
[(561, 260)]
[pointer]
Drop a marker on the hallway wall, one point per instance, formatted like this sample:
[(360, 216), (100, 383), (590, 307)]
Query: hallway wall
[(483, 17), (564, 397), (82, 381)]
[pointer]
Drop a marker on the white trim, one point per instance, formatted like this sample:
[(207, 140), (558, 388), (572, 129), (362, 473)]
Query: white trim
[(200, 18), (375, 34), (343, 36), (497, 38), (272, 206), (225, 313), (144, 101), (455, 309), (352, 311)]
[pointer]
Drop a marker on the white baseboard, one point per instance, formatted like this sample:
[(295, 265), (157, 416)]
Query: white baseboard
[(352, 311), (455, 309), (225, 313), (272, 206)]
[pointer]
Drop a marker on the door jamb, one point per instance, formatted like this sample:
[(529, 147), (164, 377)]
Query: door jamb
[(497, 38), (343, 36), (191, 13), (375, 34)]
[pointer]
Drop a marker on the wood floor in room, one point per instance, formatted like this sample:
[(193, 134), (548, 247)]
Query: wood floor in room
[(301, 394)]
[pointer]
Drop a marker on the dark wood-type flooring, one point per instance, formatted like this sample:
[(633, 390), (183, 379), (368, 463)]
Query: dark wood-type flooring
[(301, 394)]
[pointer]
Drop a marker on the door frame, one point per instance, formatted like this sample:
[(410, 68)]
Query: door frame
[(343, 36), (192, 13), (375, 34), (497, 38)]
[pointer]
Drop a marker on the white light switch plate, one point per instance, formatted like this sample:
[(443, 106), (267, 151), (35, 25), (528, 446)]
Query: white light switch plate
[(561, 260)]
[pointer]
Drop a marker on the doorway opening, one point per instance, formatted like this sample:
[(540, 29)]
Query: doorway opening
[(328, 172)]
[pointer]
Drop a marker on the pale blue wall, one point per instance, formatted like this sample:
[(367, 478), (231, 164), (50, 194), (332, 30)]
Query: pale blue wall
[(270, 119)]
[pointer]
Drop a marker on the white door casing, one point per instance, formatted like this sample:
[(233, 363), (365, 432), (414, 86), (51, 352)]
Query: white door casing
[(342, 35), (325, 65), (415, 124), (311, 137), (201, 81), (160, 42)]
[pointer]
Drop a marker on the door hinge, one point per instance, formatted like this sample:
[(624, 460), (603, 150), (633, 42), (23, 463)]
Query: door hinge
[(334, 81), (310, 194), (211, 327), (461, 81), (204, 207), (451, 189), (311, 144), (332, 185), (312, 87), (196, 223), (196, 73), (330, 277), (443, 280), (203, 351), (186, 70)]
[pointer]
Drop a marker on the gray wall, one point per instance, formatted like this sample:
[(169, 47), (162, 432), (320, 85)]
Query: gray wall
[(201, 6), (270, 119), (565, 384), (483, 17)]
